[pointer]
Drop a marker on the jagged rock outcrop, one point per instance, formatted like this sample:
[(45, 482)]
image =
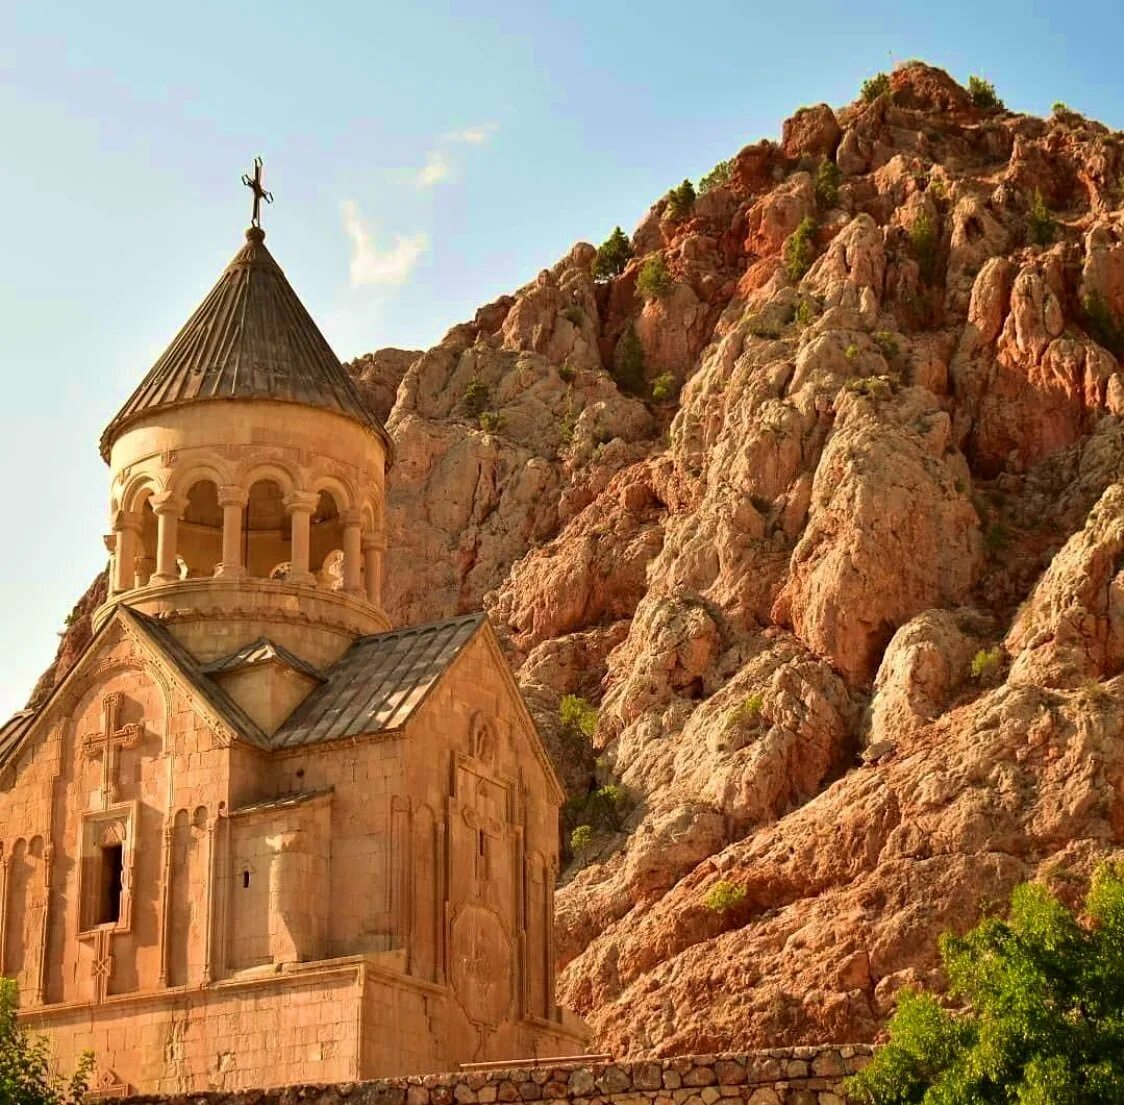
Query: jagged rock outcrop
[(850, 605)]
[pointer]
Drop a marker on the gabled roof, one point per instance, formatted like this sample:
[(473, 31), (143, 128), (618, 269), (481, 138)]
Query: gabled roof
[(261, 651), (12, 733), (211, 692), (378, 683), (251, 338)]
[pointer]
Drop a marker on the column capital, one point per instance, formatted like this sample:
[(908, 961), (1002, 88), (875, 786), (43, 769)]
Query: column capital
[(168, 502), (123, 520), (232, 495), (300, 500), (351, 518), (376, 541)]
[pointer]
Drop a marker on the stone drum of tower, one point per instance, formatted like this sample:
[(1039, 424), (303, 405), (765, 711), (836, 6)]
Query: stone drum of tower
[(248, 480)]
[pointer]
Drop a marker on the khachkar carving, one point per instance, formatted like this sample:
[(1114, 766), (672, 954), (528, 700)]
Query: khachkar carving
[(109, 741), (483, 966)]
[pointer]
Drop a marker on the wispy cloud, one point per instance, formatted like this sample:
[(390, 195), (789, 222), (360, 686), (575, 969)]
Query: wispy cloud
[(475, 136), (369, 263), (438, 166)]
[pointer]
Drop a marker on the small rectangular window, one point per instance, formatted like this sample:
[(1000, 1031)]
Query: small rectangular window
[(111, 882)]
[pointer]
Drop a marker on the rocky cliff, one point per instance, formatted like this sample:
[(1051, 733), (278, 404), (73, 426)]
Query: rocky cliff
[(819, 501)]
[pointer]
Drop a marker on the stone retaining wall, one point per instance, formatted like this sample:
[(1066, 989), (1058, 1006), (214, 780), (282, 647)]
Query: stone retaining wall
[(784, 1076)]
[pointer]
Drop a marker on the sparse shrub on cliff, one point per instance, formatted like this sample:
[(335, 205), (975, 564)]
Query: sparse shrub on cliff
[(477, 398), (578, 716), (1037, 1003), (851, 352), (828, 179), (804, 313), (923, 243), (997, 537), (1093, 693), (654, 281), (875, 86), (665, 387), (985, 664), (873, 387), (613, 255), (717, 176), (887, 344), (680, 201), (490, 421), (983, 93), (573, 315), (566, 372), (581, 840), (1102, 325), (800, 249), (26, 1074), (1039, 222), (628, 362), (747, 713), (724, 896), (1060, 108)]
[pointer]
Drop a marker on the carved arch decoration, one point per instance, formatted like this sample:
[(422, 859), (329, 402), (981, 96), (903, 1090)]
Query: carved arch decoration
[(272, 469), (339, 489), (484, 739), (137, 488), (209, 466)]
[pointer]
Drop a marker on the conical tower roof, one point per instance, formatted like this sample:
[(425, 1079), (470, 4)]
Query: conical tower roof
[(251, 338)]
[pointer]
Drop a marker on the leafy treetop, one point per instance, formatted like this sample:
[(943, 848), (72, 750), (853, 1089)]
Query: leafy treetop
[(613, 255), (26, 1077), (1042, 1018)]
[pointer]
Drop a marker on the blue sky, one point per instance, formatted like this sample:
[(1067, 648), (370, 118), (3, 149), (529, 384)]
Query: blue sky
[(425, 158)]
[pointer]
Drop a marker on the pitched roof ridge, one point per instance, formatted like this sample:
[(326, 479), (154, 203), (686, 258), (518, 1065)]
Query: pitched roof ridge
[(478, 616), (244, 655)]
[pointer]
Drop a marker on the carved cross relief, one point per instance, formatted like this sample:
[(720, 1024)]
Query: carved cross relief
[(107, 743)]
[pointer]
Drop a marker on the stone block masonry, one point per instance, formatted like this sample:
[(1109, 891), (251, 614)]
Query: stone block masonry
[(782, 1076)]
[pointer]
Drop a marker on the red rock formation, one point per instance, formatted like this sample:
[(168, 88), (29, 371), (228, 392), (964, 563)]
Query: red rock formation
[(851, 606)]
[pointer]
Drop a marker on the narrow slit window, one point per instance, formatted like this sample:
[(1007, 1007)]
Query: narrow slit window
[(246, 880), (112, 881)]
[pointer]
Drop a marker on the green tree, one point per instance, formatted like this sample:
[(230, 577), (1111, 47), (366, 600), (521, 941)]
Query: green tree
[(613, 255), (26, 1077), (828, 179), (654, 281), (628, 362), (800, 248), (983, 94), (719, 175), (875, 86), (680, 200), (1040, 223), (1041, 1019)]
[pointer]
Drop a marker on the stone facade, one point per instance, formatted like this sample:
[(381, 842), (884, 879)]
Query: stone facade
[(785, 1076), (256, 837)]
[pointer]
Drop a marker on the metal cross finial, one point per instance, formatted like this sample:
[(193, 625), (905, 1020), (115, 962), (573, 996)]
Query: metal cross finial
[(254, 184)]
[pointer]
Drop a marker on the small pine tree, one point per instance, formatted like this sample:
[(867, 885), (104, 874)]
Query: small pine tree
[(680, 200), (828, 179), (875, 86), (719, 175), (799, 249), (923, 240), (613, 255), (477, 398), (628, 362), (983, 94), (654, 281), (25, 1069), (1041, 1007), (1040, 223)]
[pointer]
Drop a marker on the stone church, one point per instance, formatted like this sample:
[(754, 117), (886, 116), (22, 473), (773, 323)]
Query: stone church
[(257, 835)]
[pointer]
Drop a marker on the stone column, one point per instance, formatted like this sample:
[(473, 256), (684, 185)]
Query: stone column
[(352, 556), (168, 508), (233, 502), (373, 547), (126, 530), (300, 505)]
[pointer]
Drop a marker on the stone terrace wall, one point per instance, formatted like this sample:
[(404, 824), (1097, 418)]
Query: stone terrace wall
[(784, 1076)]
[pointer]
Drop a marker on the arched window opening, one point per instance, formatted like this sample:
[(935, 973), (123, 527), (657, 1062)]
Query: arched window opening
[(325, 534), (267, 533), (200, 531)]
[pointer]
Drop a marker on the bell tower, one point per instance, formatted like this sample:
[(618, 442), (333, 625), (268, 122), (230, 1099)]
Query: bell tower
[(247, 478)]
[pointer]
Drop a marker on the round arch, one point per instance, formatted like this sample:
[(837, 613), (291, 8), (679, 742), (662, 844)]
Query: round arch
[(213, 469), (266, 472)]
